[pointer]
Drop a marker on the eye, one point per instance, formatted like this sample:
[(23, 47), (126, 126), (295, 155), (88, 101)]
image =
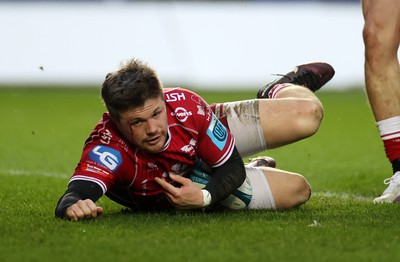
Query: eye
[(136, 123), (156, 114)]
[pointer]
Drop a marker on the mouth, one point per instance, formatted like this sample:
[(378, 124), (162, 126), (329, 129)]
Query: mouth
[(153, 141)]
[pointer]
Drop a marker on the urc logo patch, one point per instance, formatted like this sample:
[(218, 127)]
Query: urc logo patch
[(218, 133)]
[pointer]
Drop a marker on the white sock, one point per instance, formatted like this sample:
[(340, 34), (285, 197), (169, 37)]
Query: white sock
[(389, 128)]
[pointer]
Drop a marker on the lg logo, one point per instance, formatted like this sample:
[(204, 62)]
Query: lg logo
[(106, 156)]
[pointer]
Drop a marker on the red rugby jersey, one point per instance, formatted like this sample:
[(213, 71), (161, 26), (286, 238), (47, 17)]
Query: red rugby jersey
[(126, 174)]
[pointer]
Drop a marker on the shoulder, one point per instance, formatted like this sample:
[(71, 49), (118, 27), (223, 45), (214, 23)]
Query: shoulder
[(180, 94), (183, 98), (106, 134), (185, 105)]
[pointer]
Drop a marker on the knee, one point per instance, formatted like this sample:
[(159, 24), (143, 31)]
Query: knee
[(302, 191), (370, 36), (309, 118), (298, 193), (380, 37)]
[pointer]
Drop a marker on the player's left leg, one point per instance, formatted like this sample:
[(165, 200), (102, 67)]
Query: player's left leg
[(276, 189), (261, 161)]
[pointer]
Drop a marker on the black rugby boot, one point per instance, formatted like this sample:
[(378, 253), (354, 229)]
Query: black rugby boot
[(312, 75)]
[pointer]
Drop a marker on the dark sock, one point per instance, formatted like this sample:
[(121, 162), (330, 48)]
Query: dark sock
[(396, 165)]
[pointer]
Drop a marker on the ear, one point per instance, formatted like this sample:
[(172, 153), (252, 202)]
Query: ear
[(108, 75), (114, 119)]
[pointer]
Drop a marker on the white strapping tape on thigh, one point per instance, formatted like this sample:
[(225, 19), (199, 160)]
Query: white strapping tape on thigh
[(244, 122)]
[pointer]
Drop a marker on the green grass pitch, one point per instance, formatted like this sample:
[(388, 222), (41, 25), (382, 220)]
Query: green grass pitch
[(42, 134)]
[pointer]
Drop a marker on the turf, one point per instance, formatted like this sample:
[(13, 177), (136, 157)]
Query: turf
[(42, 136)]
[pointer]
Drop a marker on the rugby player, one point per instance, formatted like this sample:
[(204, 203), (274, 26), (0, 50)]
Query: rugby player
[(142, 151)]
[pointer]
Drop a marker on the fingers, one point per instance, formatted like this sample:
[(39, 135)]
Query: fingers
[(180, 179), (99, 211), (83, 209), (186, 196), (170, 188), (167, 186), (162, 182)]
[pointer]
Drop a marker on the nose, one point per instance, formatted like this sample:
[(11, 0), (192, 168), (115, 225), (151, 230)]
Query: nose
[(151, 127)]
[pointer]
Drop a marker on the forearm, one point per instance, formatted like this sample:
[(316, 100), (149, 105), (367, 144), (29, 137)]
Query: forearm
[(226, 178), (77, 190), (67, 200)]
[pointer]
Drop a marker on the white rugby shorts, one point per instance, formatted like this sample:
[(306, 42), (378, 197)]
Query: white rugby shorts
[(262, 197)]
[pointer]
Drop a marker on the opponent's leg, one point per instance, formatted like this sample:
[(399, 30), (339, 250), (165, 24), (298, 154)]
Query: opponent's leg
[(381, 36)]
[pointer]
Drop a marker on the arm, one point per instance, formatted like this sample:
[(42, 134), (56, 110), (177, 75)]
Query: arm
[(225, 179), (78, 201)]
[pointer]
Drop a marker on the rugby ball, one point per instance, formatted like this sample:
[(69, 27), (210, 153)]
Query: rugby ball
[(238, 200)]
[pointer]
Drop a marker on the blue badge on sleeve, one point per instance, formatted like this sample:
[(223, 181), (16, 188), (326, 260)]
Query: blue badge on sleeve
[(106, 156), (218, 133)]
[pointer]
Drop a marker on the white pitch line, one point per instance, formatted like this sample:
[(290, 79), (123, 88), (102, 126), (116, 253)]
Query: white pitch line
[(342, 196), (14, 172)]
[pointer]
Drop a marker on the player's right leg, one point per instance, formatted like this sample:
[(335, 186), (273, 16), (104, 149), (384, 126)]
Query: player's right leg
[(291, 112), (311, 75), (260, 124), (296, 115)]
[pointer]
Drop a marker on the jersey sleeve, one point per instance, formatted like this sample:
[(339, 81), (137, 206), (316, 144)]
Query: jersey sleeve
[(103, 160), (215, 142)]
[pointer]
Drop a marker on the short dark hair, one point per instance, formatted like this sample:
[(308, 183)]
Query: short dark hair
[(129, 87)]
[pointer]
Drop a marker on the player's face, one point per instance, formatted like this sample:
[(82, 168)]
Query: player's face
[(146, 126)]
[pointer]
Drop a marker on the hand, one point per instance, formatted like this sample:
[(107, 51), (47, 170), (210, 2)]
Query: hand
[(188, 196), (83, 209)]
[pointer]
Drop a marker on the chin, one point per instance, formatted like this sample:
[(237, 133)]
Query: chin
[(153, 149)]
